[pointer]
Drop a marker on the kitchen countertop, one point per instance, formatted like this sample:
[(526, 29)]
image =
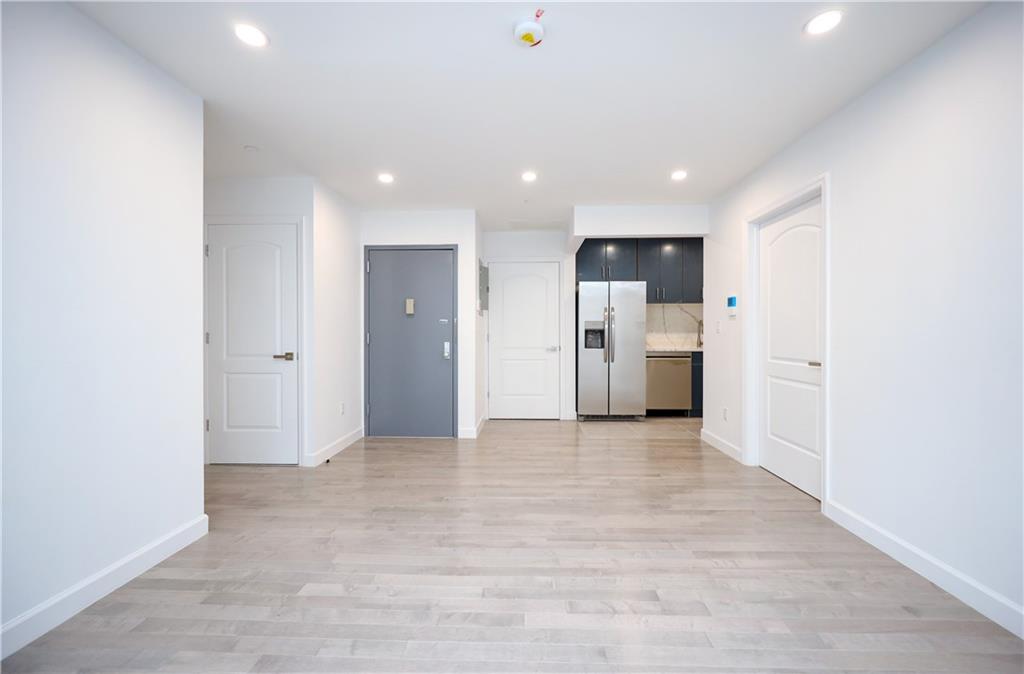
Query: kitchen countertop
[(672, 352)]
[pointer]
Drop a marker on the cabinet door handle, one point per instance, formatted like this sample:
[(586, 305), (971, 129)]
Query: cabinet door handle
[(609, 272)]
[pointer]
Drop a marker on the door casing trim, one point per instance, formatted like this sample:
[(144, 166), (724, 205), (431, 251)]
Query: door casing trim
[(751, 369), (306, 350), (455, 331)]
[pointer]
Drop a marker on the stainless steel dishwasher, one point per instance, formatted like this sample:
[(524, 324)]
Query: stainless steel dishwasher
[(669, 381)]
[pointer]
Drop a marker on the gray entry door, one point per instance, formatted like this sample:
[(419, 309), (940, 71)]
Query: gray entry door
[(410, 355)]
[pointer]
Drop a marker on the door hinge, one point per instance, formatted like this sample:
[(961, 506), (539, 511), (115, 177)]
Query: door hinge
[(367, 266), (207, 338), (206, 249), (207, 425)]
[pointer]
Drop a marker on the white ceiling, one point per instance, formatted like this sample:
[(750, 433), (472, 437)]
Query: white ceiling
[(615, 97)]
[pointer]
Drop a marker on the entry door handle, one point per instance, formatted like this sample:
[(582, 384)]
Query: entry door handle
[(551, 349), (447, 353), (287, 355)]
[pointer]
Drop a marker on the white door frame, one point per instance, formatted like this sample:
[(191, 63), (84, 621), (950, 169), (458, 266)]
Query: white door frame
[(563, 336), (305, 353), (751, 357)]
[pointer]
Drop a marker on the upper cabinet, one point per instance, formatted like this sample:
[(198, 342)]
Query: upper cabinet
[(590, 261), (693, 271), (620, 259), (660, 264), (672, 268), (606, 260), (648, 267), (671, 271)]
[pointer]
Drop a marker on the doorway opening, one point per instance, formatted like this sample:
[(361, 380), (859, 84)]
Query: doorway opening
[(411, 346), (254, 369), (524, 356), (786, 377)]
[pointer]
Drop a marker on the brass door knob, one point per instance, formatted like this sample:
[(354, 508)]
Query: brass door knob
[(287, 355)]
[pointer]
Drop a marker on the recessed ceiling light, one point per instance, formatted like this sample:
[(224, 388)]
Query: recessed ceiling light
[(529, 176), (679, 175), (385, 178), (251, 35), (824, 22)]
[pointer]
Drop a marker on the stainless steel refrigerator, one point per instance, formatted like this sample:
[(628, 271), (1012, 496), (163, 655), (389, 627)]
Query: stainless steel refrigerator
[(612, 349)]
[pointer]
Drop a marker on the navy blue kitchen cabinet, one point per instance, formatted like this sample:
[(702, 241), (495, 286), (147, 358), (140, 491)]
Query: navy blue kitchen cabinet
[(693, 271), (606, 260)]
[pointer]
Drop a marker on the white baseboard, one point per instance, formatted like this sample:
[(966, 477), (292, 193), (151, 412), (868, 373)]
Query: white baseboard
[(329, 450), (480, 425), (977, 595), (41, 618), (467, 432), (722, 445)]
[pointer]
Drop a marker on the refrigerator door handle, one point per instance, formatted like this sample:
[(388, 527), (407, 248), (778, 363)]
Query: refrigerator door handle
[(611, 335), (605, 321)]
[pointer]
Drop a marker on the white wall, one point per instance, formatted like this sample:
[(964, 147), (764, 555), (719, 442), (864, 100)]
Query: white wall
[(545, 245), (632, 220), (337, 343), (926, 307), (102, 330), (384, 227), (329, 359)]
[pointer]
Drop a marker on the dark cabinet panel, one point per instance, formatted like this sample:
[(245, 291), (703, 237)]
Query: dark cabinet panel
[(671, 271), (606, 260), (648, 267), (620, 258), (693, 271), (590, 261), (660, 263), (697, 385)]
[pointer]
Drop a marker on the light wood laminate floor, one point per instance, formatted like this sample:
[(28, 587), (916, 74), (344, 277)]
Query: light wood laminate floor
[(542, 546)]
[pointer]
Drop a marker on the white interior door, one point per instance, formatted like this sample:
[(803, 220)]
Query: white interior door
[(523, 363), (791, 433), (252, 319)]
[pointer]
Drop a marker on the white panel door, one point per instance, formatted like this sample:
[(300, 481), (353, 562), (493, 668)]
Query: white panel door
[(523, 363), (791, 432), (252, 318)]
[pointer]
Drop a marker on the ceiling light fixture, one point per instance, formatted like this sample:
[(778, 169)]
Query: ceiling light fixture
[(251, 35), (529, 176), (824, 22), (679, 175), (385, 178)]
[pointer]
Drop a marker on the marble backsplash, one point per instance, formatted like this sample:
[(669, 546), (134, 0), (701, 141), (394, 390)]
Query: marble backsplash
[(673, 327)]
